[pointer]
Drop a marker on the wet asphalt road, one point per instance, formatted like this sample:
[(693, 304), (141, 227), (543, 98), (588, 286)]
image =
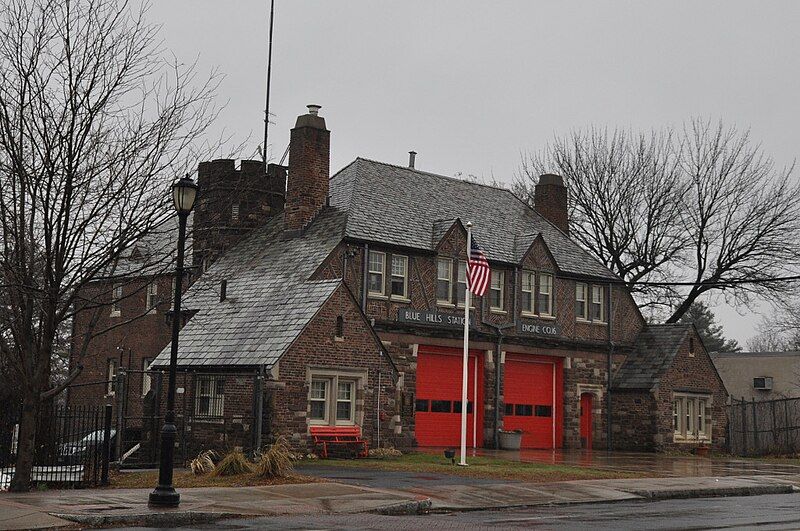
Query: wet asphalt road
[(780, 511)]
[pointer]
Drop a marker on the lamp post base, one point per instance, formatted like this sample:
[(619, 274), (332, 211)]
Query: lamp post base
[(164, 496)]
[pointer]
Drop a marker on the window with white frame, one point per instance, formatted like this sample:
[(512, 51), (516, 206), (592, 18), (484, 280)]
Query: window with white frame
[(332, 399), (399, 276), (345, 401), (318, 398), (209, 396), (377, 264), (147, 382), (691, 417), (598, 306), (545, 302), (444, 281), (461, 283), (581, 306), (497, 291), (528, 288), (116, 300), (152, 294), (112, 369)]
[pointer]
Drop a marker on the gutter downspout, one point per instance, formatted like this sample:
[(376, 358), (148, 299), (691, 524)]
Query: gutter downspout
[(609, 416), (364, 271), (497, 365)]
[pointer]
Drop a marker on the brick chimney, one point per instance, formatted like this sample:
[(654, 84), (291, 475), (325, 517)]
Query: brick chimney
[(550, 200), (309, 169)]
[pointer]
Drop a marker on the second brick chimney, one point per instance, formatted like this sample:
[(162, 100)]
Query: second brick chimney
[(309, 170), (550, 200)]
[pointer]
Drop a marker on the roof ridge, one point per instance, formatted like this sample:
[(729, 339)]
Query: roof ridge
[(415, 170)]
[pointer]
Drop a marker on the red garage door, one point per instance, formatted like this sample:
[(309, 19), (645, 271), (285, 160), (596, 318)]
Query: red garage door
[(438, 398), (532, 397)]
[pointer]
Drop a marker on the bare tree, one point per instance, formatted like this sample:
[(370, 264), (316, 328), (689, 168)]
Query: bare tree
[(702, 207), (94, 126)]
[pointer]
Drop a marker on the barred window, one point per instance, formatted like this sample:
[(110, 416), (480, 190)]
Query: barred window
[(209, 396)]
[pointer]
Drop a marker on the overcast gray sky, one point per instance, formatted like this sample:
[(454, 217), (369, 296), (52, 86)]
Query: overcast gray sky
[(470, 85)]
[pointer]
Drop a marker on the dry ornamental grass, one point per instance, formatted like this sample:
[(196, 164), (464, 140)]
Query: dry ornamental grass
[(234, 463), (276, 462)]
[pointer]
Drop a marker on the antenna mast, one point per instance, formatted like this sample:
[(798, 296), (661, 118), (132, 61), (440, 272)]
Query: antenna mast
[(269, 76)]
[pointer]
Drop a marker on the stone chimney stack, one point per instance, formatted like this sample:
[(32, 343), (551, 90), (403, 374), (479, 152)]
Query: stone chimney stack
[(309, 170), (550, 200)]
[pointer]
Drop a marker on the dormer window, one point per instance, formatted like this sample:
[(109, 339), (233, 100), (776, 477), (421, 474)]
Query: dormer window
[(377, 271), (497, 291), (399, 276), (545, 301), (444, 281)]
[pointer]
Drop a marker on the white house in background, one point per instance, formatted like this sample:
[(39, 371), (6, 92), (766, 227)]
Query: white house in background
[(759, 375)]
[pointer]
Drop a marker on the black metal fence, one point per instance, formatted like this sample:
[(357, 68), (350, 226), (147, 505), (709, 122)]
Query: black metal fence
[(74, 445), (769, 427)]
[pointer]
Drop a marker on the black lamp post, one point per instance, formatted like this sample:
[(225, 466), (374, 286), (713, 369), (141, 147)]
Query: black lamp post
[(184, 193)]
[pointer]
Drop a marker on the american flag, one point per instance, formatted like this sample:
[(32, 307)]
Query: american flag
[(478, 271)]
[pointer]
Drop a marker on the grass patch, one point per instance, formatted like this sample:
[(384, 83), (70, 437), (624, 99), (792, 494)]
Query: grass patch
[(481, 467), (186, 479)]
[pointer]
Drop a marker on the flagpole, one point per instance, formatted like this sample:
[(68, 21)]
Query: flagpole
[(465, 368)]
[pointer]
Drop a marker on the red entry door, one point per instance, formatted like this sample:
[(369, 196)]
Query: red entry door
[(587, 403), (532, 395), (438, 399)]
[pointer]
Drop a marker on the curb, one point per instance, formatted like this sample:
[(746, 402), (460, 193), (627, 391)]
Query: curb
[(149, 519), (755, 490), (642, 495), (410, 507)]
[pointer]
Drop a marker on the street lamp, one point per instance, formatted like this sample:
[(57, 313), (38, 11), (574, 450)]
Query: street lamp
[(184, 193)]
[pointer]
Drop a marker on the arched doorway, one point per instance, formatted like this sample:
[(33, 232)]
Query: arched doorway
[(587, 404)]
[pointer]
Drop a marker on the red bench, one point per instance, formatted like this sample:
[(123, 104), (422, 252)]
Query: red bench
[(347, 439)]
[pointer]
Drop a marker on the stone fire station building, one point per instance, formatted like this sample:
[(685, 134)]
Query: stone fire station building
[(348, 302)]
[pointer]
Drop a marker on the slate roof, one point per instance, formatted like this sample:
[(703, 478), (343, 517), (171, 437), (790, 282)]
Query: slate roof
[(656, 347), (154, 253), (402, 206), (269, 297)]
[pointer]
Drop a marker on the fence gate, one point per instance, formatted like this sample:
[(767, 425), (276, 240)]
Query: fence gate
[(769, 427)]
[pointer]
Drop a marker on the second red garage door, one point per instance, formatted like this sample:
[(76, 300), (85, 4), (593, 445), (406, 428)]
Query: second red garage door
[(438, 397), (532, 396)]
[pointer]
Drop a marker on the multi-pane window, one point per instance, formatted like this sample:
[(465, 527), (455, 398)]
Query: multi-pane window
[(152, 293), (319, 399), (116, 300), (581, 306), (209, 396), (691, 417), (235, 212), (376, 273), (461, 283), (598, 307), (444, 281), (545, 301), (497, 291), (399, 276), (528, 287), (111, 374), (147, 382), (332, 399), (344, 401)]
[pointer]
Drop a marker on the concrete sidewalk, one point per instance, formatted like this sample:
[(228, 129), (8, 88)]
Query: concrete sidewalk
[(105, 507), (418, 493)]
